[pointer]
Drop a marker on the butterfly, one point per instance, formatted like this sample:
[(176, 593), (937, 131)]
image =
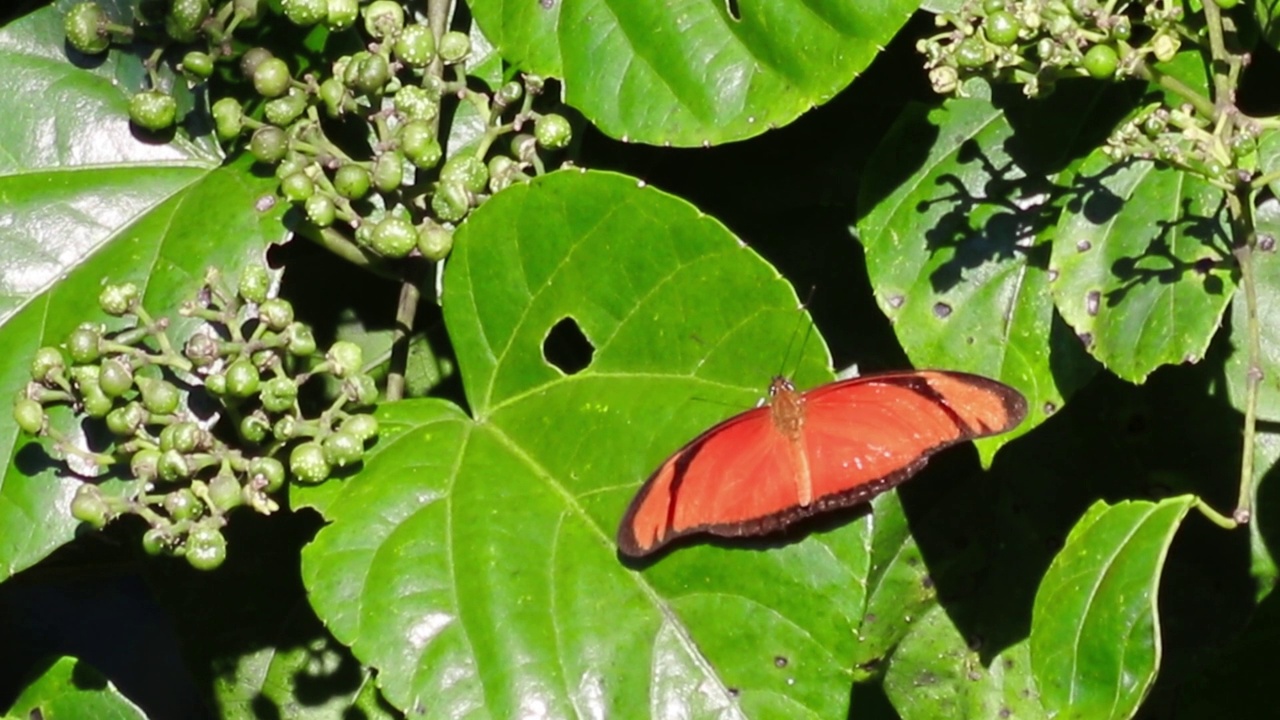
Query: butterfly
[(804, 453)]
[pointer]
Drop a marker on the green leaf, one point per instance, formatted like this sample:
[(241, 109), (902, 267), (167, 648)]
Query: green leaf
[(936, 674), (688, 72), (1095, 631), (70, 688), (1144, 273), (85, 202), (472, 561), (954, 254)]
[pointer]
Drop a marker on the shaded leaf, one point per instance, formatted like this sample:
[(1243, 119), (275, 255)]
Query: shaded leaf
[(1143, 268), (70, 688)]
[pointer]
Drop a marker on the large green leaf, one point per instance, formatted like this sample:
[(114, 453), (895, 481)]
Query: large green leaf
[(70, 688), (1143, 266), (472, 562), (84, 201), (952, 235), (691, 72), (1095, 631)]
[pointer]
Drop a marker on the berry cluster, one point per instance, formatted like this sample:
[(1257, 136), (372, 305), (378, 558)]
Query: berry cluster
[(200, 430), (1034, 43), (1224, 153), (400, 191)]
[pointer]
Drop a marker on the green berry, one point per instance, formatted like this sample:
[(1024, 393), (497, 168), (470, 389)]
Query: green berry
[(269, 144), (145, 464), (157, 541), (252, 58), (201, 349), (345, 358), (363, 427), (1002, 28), (89, 507), (206, 548), (394, 237), (360, 389), (228, 118), (306, 12), (126, 421), (153, 110), (468, 171), (1122, 29), (297, 187), (502, 172), (321, 210), (286, 428), (86, 28), (225, 492), (524, 147), (183, 436), (183, 504), (342, 449), (333, 94), (451, 201), (173, 466), (284, 110), (29, 415), (416, 103), (185, 16), (419, 144), (434, 242), (242, 379), (971, 52), (47, 365), (372, 74), (383, 18), (254, 428), (82, 344), (454, 47), (352, 181), (509, 94), (159, 396), (276, 313), (271, 77), (1101, 62), (216, 383), (342, 14), (97, 404), (118, 299), (552, 131), (115, 377), (279, 394), (415, 46), (308, 463), (198, 64), (255, 283), (266, 473), (388, 171), (301, 340)]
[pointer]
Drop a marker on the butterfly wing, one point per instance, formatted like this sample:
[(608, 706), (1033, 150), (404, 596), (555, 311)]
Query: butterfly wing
[(865, 435), (859, 437), (722, 482)]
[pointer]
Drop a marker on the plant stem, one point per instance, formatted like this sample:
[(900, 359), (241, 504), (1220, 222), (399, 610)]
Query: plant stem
[(1241, 208)]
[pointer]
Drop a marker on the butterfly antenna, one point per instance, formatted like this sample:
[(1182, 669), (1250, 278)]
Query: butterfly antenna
[(804, 341)]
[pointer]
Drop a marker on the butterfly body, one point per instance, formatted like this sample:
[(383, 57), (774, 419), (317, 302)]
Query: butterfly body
[(808, 452)]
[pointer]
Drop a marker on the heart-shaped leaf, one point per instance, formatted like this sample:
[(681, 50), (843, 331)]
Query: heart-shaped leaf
[(472, 561)]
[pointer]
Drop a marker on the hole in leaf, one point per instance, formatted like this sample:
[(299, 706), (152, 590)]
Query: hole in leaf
[(732, 7), (567, 348)]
